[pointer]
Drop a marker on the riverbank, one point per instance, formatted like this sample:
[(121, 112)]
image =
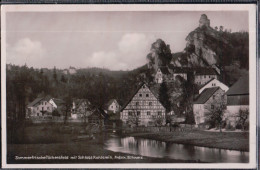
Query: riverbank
[(231, 140), (46, 144)]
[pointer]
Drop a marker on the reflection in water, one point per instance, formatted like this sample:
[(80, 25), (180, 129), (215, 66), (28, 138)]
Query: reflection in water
[(153, 148)]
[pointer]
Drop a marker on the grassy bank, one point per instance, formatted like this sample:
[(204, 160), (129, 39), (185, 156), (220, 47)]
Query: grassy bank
[(231, 140)]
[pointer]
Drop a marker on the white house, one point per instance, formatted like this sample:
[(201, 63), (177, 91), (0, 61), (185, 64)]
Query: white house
[(161, 74), (214, 83), (113, 106), (203, 75), (208, 100)]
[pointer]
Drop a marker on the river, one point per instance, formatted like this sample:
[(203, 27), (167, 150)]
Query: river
[(153, 148)]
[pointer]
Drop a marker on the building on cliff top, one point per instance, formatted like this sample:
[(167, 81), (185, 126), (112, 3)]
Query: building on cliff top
[(161, 74), (202, 75)]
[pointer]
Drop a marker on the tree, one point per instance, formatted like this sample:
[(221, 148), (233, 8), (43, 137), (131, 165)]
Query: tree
[(67, 107), (215, 116), (243, 117), (221, 28), (63, 79), (54, 74), (164, 97), (216, 28), (134, 117)]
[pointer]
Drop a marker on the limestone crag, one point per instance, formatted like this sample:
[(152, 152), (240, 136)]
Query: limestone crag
[(200, 43)]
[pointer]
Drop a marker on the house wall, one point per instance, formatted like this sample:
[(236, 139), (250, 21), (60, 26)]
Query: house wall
[(36, 111), (234, 100), (198, 111), (114, 107), (81, 111), (201, 114), (232, 113), (158, 76), (215, 83), (203, 79), (149, 108)]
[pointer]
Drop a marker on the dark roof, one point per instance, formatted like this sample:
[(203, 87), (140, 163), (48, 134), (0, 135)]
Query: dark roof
[(99, 111), (58, 102), (206, 83), (164, 70), (37, 100), (109, 103), (241, 87), (205, 95), (205, 71), (181, 69), (156, 95)]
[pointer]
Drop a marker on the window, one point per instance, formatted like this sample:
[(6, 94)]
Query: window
[(111, 107), (140, 95), (138, 113), (204, 76), (148, 113), (147, 95), (150, 103), (143, 87), (137, 103), (213, 97), (212, 106), (222, 97), (130, 113), (48, 108), (159, 113)]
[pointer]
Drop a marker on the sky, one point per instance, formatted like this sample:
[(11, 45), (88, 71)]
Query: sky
[(112, 40)]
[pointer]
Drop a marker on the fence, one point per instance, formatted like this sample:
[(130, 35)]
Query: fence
[(181, 127)]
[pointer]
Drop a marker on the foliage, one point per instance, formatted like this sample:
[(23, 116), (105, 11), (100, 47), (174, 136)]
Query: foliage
[(134, 118), (243, 118), (164, 97), (215, 116)]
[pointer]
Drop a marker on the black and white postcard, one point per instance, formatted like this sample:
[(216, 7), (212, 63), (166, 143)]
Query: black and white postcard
[(128, 86)]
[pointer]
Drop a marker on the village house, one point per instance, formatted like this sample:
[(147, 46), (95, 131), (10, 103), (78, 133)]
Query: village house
[(98, 116), (161, 74), (214, 83), (143, 109), (43, 107), (237, 99), (81, 109), (112, 106), (181, 72), (208, 100), (72, 70), (203, 75)]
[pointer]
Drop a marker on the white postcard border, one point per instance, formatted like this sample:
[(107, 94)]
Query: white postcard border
[(251, 8)]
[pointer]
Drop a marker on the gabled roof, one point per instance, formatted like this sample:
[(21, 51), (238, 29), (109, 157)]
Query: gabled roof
[(164, 70), (58, 102), (205, 95), (205, 71), (78, 102), (206, 83), (99, 111), (37, 100), (181, 70), (241, 87), (155, 95), (110, 102)]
